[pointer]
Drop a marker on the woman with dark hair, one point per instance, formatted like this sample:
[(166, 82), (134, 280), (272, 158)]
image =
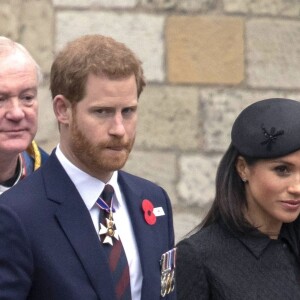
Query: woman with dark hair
[(248, 245)]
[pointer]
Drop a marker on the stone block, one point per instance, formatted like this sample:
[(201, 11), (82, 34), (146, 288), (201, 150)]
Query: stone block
[(169, 118), (158, 4), (158, 167), (95, 3), (47, 135), (37, 31), (180, 5), (205, 49), (10, 11), (186, 219), (196, 184), (220, 107), (117, 3), (141, 32), (196, 5), (289, 8), (273, 48)]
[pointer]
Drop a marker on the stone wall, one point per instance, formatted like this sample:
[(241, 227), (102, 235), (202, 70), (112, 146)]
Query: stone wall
[(204, 61)]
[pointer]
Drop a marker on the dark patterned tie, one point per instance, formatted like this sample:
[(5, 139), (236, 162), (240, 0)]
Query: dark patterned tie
[(115, 253)]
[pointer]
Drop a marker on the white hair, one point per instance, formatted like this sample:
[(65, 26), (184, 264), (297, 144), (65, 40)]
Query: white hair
[(8, 46)]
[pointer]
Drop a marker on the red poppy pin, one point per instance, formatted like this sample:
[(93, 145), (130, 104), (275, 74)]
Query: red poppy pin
[(149, 215)]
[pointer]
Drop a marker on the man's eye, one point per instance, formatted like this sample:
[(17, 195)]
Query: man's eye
[(3, 98), (27, 98), (102, 111), (129, 110)]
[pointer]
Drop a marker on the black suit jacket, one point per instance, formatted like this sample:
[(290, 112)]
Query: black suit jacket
[(49, 248)]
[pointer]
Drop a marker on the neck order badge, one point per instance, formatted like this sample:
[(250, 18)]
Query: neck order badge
[(105, 202)]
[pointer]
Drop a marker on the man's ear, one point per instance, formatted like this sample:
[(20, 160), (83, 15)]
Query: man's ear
[(242, 168), (62, 109)]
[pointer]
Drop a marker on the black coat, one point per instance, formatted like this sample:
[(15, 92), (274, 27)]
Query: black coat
[(216, 263)]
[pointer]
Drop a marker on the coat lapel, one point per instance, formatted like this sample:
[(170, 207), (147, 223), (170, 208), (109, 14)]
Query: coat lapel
[(78, 227), (145, 235)]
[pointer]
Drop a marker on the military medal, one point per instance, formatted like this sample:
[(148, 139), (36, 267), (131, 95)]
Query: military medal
[(168, 265), (109, 230)]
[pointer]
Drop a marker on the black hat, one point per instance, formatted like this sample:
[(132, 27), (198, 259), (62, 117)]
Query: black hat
[(267, 129)]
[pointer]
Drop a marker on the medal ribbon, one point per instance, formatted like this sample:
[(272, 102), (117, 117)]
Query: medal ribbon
[(103, 205), (168, 265)]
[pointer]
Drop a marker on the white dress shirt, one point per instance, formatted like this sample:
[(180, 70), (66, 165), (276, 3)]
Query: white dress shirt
[(89, 189)]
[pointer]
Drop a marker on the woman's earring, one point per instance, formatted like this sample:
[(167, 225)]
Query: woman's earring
[(244, 180)]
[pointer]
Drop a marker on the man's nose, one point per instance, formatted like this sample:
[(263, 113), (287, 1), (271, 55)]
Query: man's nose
[(117, 125), (14, 110)]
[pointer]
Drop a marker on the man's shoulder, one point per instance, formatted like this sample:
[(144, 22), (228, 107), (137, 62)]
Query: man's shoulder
[(134, 179), (33, 157), (207, 237), (44, 155), (27, 188)]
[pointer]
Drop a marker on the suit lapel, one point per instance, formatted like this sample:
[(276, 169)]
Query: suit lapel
[(78, 227), (145, 235)]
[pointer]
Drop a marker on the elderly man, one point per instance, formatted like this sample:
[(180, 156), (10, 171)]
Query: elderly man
[(80, 227), (19, 79)]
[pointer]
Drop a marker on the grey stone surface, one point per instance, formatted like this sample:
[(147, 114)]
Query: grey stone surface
[(72, 3), (10, 11), (273, 48), (158, 4), (143, 33), (117, 3), (264, 7), (186, 219), (220, 107), (96, 3), (47, 135), (197, 178), (169, 118), (196, 5), (159, 167), (37, 19)]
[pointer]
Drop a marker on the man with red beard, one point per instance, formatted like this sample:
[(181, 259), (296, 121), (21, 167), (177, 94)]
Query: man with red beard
[(19, 80), (80, 227)]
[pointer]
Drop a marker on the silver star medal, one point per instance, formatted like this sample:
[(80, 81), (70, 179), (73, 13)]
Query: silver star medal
[(109, 231)]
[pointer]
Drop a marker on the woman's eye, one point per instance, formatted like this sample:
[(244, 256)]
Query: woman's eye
[(282, 170)]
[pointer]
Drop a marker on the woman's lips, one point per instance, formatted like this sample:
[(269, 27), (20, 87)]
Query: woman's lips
[(291, 204)]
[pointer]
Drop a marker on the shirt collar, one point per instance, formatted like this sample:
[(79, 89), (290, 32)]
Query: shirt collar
[(88, 186)]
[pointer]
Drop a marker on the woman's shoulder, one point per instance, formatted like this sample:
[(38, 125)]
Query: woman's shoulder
[(204, 240)]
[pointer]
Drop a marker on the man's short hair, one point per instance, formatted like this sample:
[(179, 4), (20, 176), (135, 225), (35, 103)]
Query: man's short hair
[(92, 54)]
